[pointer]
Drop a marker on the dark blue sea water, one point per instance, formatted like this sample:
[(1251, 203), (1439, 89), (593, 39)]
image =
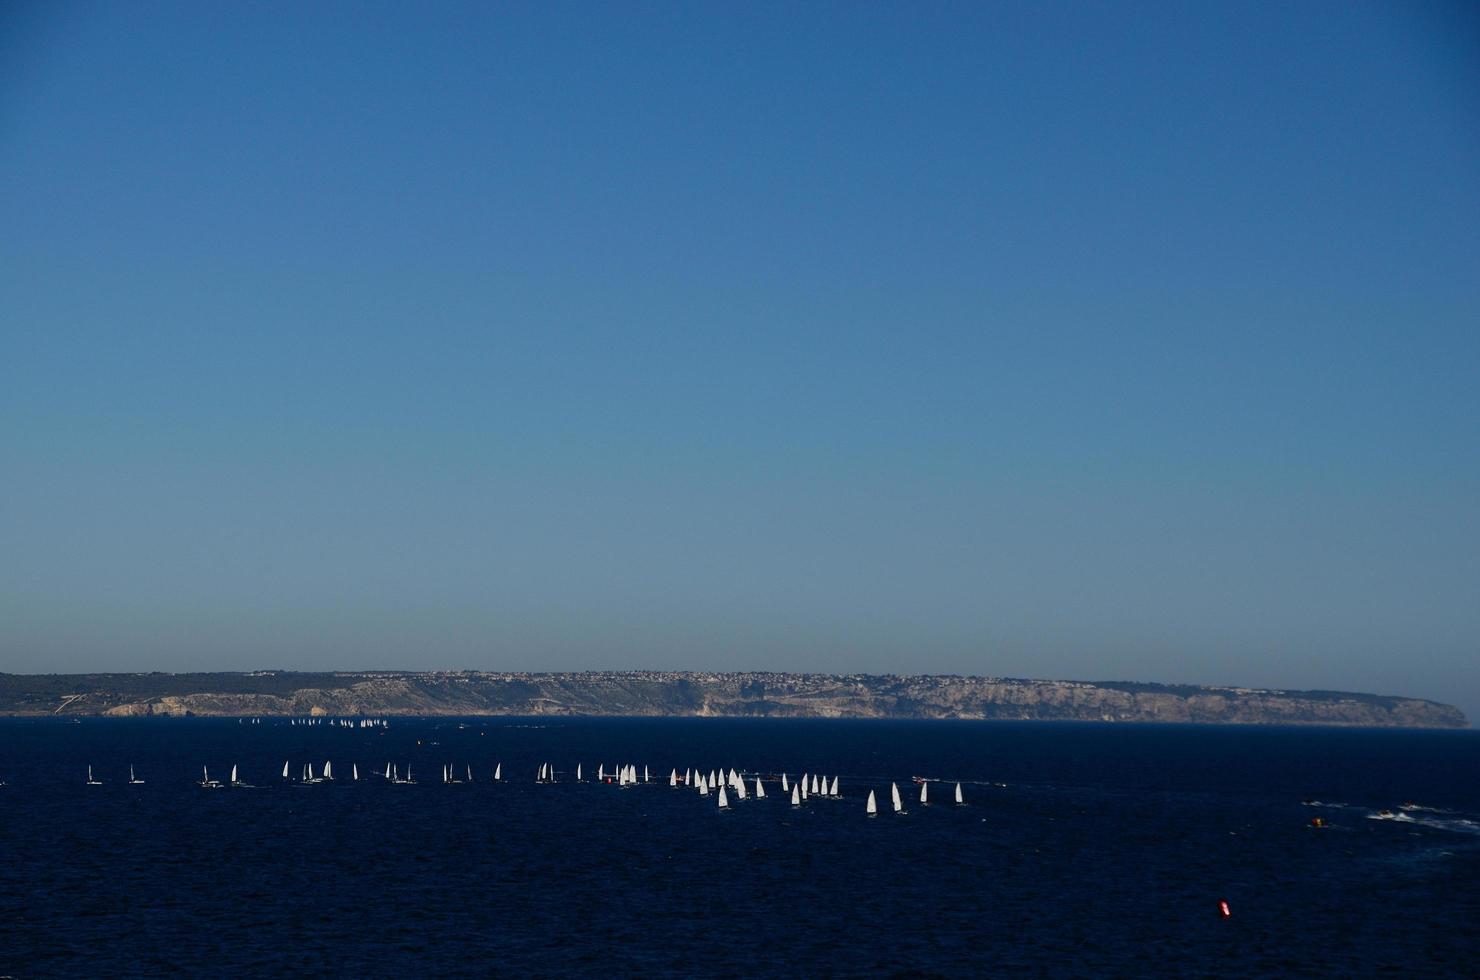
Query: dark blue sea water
[(1084, 849)]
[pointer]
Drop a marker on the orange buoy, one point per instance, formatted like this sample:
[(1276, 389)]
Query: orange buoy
[(1223, 908)]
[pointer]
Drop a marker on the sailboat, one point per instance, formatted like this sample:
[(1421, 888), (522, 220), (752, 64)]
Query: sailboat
[(645, 777), (673, 777), (234, 780), (834, 791), (815, 790), (470, 773), (703, 788), (329, 770), (387, 770), (354, 771), (498, 772), (784, 787), (924, 794), (959, 801), (894, 791), (578, 772), (132, 779), (90, 780), (724, 801), (760, 791), (804, 786), (740, 789), (795, 799), (872, 808), (285, 769), (206, 780)]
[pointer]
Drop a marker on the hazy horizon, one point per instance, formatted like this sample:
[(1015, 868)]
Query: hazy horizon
[(1130, 342)]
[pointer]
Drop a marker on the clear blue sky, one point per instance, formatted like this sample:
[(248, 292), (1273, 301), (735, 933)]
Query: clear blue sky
[(1084, 340)]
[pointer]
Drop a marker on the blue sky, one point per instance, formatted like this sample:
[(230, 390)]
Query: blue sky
[(1087, 340)]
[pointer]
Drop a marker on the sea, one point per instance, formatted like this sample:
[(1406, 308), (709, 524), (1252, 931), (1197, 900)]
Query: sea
[(1079, 850)]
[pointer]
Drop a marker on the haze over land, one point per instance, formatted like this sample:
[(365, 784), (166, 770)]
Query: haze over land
[(1038, 340)]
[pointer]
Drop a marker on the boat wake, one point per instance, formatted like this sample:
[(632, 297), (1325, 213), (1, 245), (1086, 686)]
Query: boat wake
[(1457, 825)]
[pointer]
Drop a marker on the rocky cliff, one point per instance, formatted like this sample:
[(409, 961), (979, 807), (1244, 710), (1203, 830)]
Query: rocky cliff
[(660, 693)]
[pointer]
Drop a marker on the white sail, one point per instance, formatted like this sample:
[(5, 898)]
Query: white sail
[(815, 790), (285, 769), (470, 773), (924, 794), (740, 790), (601, 772), (760, 791), (795, 799), (673, 777), (645, 777), (784, 787), (958, 793), (328, 770), (894, 791), (578, 772), (703, 788), (233, 774), (804, 786), (387, 770), (686, 774), (355, 771), (498, 772), (872, 808), (834, 790), (724, 801)]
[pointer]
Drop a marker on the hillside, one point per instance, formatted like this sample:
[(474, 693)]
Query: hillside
[(664, 693)]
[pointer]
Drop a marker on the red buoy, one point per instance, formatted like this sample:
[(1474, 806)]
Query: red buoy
[(1223, 907)]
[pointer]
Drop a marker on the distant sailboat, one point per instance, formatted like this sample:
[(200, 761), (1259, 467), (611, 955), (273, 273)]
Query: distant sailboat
[(894, 791), (872, 809), (703, 788), (804, 786), (740, 789), (834, 791), (354, 769), (470, 773), (498, 772), (673, 777), (645, 777), (959, 801), (285, 769), (784, 787), (760, 791), (132, 779), (387, 770), (578, 772), (815, 790), (724, 802), (328, 770), (90, 780), (795, 798), (207, 781), (233, 777), (924, 794)]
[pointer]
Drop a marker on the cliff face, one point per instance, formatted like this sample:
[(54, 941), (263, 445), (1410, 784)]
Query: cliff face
[(699, 694)]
